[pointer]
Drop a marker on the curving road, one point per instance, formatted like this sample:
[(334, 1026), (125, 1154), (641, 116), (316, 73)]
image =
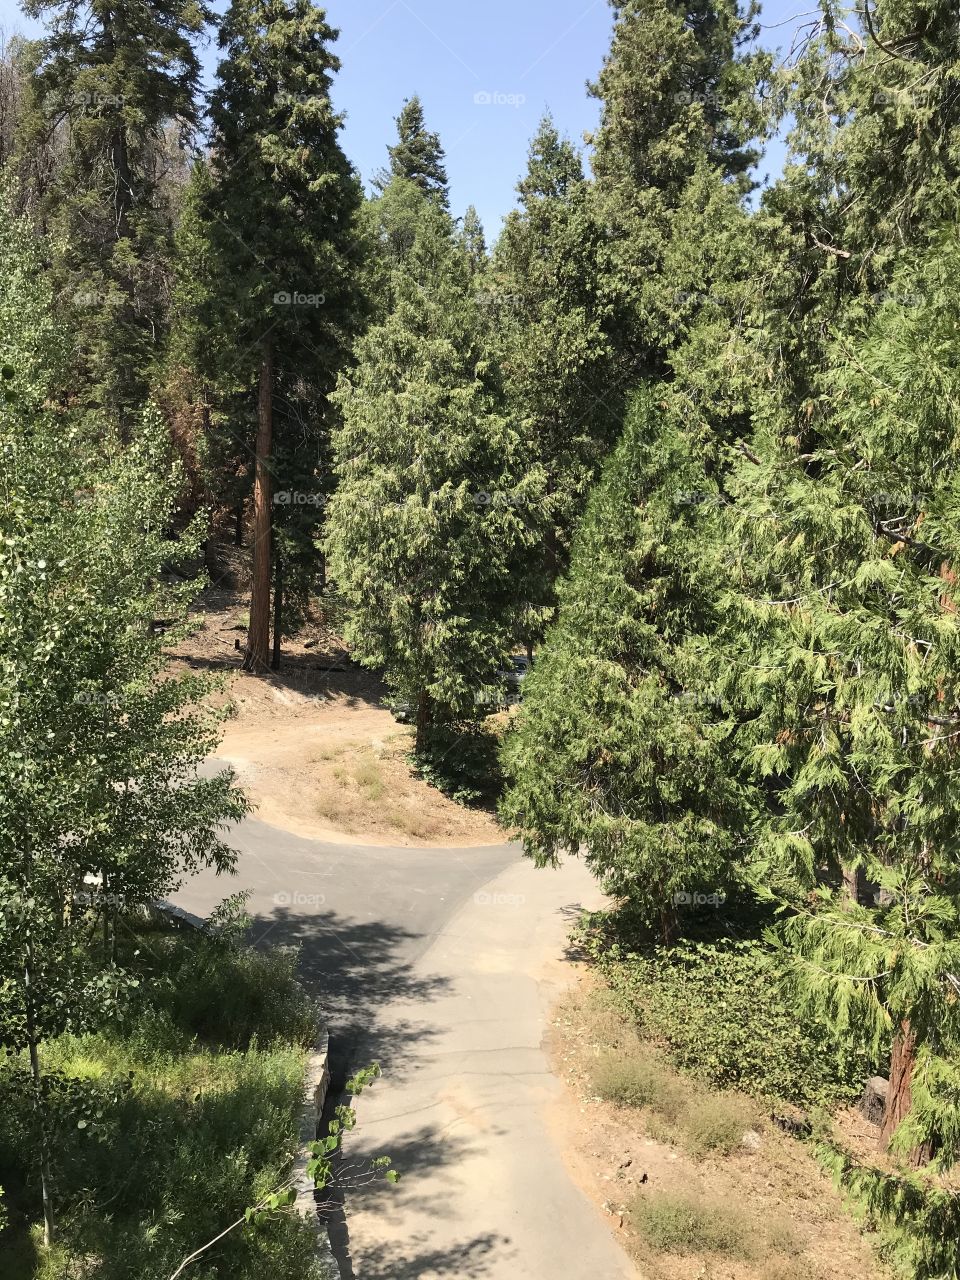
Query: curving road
[(441, 964)]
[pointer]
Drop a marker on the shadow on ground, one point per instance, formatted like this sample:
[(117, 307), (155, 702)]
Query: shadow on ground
[(355, 970), (317, 676), (470, 1260)]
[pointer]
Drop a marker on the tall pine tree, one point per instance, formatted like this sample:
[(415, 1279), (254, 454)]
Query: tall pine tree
[(279, 280), (428, 516), (114, 79), (417, 156)]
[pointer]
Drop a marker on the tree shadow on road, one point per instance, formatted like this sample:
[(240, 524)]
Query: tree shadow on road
[(356, 970), (416, 1260)]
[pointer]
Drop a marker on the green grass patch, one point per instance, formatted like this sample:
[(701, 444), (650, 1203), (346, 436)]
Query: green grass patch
[(190, 1113)]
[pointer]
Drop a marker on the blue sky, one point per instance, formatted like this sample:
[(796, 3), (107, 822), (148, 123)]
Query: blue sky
[(485, 72)]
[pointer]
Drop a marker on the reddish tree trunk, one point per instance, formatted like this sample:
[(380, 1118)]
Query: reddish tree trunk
[(257, 655), (900, 1092), (277, 613), (854, 883)]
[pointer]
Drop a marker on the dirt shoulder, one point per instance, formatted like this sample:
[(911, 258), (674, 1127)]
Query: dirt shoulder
[(313, 745), (786, 1220)]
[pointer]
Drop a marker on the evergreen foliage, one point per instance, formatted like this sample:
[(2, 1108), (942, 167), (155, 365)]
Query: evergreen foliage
[(118, 83), (417, 156), (429, 513)]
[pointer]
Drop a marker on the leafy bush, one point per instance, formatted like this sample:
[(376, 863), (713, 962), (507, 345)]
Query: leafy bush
[(462, 761), (717, 1009), (188, 1119)]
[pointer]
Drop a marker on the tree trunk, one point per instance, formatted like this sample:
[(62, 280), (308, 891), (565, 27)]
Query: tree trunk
[(34, 1050), (900, 1092), (424, 720), (238, 524), (119, 150), (258, 636), (854, 881), (277, 611)]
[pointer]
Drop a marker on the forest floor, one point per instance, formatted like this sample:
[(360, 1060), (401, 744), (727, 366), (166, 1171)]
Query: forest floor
[(313, 744), (765, 1206)]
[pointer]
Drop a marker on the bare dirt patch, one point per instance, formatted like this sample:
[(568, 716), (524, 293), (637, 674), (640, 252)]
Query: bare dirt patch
[(773, 1212), (312, 743)]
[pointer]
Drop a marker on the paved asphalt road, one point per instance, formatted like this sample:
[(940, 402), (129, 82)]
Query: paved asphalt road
[(441, 964)]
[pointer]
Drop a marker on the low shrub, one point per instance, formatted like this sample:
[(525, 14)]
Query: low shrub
[(716, 1124), (682, 1112), (718, 1010), (671, 1222), (637, 1079)]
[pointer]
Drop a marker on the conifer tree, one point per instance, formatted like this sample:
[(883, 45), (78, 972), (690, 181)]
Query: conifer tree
[(678, 90), (474, 242), (113, 79), (282, 268), (427, 518), (621, 750), (417, 155), (847, 630), (553, 333)]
